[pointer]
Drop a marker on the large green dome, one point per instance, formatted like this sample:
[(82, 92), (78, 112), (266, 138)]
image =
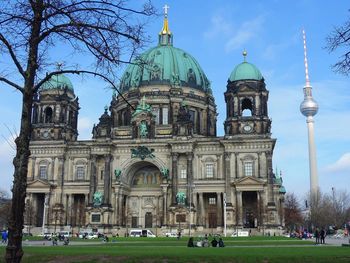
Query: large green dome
[(58, 82), (245, 71), (165, 65)]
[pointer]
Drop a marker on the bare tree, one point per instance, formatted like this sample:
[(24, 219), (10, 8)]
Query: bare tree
[(329, 209), (108, 30), (292, 212), (5, 208), (339, 39)]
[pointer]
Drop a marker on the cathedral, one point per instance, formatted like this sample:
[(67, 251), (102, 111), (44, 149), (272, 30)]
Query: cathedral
[(154, 160)]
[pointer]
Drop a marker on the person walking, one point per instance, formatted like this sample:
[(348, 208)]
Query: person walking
[(317, 235), (4, 236), (323, 236)]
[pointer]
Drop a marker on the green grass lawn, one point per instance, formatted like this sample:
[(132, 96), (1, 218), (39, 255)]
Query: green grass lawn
[(172, 250)]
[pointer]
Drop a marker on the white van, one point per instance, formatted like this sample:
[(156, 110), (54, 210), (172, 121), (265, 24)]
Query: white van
[(141, 233), (66, 233)]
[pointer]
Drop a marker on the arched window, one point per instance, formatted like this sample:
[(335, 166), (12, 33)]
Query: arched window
[(48, 115), (35, 114), (247, 108)]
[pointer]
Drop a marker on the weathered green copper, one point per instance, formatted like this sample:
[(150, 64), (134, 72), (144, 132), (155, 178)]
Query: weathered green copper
[(165, 172), (143, 129), (58, 82), (245, 71), (97, 198), (142, 152), (165, 65), (117, 174), (142, 107), (181, 198)]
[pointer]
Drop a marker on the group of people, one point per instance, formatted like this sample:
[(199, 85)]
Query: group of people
[(320, 235), (205, 242)]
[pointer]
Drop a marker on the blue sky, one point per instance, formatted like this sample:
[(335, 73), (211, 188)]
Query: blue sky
[(215, 33)]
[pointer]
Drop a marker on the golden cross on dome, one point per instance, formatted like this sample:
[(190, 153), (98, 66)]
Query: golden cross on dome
[(166, 8)]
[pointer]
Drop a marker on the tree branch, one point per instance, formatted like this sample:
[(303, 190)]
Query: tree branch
[(12, 54), (12, 84)]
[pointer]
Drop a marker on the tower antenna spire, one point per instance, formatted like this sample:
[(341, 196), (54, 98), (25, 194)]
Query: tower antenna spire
[(307, 79)]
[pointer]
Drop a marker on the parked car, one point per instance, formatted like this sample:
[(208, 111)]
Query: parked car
[(141, 233), (65, 234), (92, 235), (171, 234)]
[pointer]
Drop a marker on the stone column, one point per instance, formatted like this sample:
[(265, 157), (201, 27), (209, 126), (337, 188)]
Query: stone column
[(140, 212), (92, 186), (195, 205), (61, 176), (219, 209), (236, 165), (120, 209), (201, 207), (107, 179), (228, 178), (189, 177), (174, 177), (258, 208), (239, 208), (165, 221), (69, 209), (271, 199)]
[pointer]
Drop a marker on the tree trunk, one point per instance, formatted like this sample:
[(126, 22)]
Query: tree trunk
[(14, 250)]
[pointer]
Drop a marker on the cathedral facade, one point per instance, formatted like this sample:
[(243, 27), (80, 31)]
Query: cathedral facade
[(154, 160)]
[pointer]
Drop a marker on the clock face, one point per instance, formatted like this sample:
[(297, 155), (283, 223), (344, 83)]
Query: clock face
[(247, 128)]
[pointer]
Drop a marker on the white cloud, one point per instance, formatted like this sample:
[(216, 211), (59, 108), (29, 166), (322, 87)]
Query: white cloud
[(219, 25), (245, 33), (341, 166), (85, 125)]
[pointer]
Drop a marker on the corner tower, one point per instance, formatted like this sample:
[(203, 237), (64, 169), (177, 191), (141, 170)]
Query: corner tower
[(55, 111), (246, 102)]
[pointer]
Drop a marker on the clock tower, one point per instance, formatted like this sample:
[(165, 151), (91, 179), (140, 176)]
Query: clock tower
[(55, 111), (246, 102)]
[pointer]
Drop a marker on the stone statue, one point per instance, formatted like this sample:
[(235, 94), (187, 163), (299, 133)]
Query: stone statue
[(143, 129), (97, 198), (165, 172), (117, 174), (181, 198)]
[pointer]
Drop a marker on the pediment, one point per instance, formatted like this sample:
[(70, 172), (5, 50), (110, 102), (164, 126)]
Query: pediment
[(39, 184), (249, 182)]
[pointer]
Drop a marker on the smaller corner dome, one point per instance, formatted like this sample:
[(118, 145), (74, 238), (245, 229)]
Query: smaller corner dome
[(245, 71), (59, 81)]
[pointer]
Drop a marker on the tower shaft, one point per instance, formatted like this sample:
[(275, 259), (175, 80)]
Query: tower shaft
[(312, 156)]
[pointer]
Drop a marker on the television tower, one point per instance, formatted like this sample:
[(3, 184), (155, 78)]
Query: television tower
[(309, 108)]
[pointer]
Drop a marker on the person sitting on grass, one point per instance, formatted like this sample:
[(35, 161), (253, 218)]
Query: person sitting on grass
[(190, 242), (221, 242), (214, 243)]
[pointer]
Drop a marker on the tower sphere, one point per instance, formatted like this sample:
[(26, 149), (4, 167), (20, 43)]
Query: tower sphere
[(309, 107)]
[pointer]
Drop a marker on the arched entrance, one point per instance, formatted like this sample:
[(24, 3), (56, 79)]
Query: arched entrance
[(145, 200)]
